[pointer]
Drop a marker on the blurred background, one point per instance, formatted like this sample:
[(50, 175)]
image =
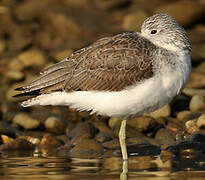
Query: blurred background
[(38, 33)]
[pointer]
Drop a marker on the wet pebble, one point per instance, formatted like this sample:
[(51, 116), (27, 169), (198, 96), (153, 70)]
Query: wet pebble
[(141, 140), (197, 103), (102, 126), (2, 46), (17, 144), (6, 139), (182, 114), (55, 125), (104, 4), (201, 121), (191, 126), (7, 129), (49, 141), (88, 148), (197, 80), (165, 111), (134, 20), (165, 137), (103, 137), (114, 121), (194, 11), (142, 123), (113, 144), (32, 58), (83, 130), (198, 137), (26, 121), (15, 75)]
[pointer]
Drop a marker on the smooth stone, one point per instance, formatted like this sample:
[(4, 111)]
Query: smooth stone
[(102, 127), (15, 75), (29, 10), (198, 137), (186, 148), (197, 80), (197, 103), (63, 138), (194, 91), (26, 121), (191, 126), (113, 144), (64, 27), (33, 140), (88, 148), (141, 140), (165, 137), (6, 139), (201, 121), (49, 140), (7, 129), (194, 11), (134, 20), (109, 4), (114, 121), (15, 64), (198, 54), (183, 114), (32, 58), (83, 130), (165, 111), (103, 137), (17, 144), (142, 123), (145, 149), (55, 125), (76, 140), (2, 46)]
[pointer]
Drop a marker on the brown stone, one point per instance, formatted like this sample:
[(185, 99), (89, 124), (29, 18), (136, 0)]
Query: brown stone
[(49, 140), (113, 144), (182, 114), (197, 103), (25, 121), (17, 144), (201, 121), (142, 123), (191, 126), (88, 148), (194, 11), (103, 137), (32, 58), (197, 80), (55, 125), (165, 137), (83, 130), (133, 21), (165, 111)]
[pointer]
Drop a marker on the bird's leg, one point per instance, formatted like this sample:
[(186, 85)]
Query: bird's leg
[(122, 137)]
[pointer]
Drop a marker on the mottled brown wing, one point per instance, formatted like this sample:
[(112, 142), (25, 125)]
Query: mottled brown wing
[(110, 64)]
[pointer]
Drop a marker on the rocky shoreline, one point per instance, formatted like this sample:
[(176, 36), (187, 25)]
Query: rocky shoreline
[(35, 34)]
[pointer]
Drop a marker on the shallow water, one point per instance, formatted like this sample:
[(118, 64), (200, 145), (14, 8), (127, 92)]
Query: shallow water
[(31, 165)]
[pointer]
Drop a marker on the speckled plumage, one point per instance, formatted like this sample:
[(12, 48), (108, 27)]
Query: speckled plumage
[(124, 75)]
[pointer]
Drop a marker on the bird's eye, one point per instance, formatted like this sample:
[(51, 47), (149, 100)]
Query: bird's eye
[(154, 31)]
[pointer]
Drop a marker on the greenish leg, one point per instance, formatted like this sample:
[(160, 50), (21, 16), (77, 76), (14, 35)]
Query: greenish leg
[(122, 137)]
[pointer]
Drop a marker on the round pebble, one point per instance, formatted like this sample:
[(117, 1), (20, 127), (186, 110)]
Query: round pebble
[(197, 103), (54, 125), (201, 121), (25, 121)]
